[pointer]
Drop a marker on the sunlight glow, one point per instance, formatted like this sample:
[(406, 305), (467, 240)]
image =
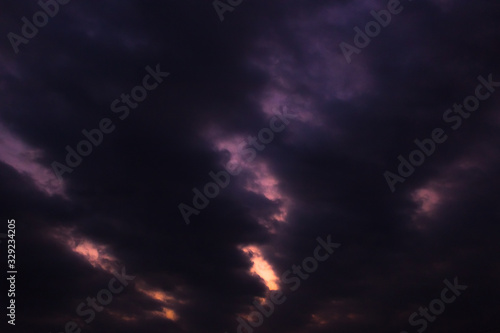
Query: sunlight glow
[(261, 267)]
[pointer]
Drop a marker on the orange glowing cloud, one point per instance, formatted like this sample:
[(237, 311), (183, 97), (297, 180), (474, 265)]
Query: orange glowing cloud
[(167, 313), (168, 301), (98, 256), (261, 267)]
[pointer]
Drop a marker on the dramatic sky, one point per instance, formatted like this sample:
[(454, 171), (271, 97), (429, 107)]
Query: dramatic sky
[(322, 175)]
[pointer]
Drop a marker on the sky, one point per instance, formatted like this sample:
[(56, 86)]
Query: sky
[(295, 166)]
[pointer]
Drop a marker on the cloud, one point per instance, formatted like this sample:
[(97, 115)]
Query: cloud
[(321, 175)]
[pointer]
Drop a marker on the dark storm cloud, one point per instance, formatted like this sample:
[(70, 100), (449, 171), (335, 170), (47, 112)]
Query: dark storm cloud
[(325, 170)]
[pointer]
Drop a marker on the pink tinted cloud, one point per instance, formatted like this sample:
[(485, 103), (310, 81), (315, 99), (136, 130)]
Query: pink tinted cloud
[(25, 160)]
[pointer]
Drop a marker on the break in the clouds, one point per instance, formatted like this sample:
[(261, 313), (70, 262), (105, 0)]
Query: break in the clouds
[(113, 225)]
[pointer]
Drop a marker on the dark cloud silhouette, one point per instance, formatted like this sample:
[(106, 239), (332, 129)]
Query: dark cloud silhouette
[(322, 175)]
